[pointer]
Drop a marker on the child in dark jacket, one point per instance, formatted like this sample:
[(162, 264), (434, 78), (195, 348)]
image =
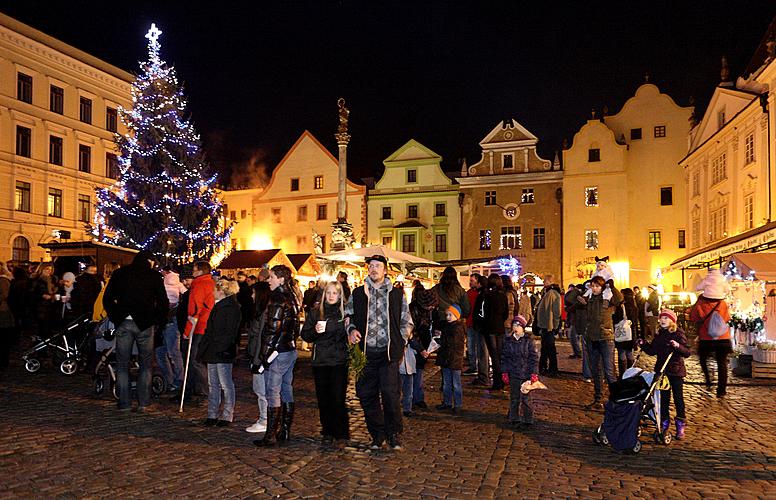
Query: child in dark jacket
[(519, 362), (450, 358), (670, 338)]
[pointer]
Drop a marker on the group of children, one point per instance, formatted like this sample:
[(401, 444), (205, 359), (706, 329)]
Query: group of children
[(519, 364)]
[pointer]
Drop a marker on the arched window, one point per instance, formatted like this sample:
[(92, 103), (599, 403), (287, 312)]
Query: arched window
[(21, 249)]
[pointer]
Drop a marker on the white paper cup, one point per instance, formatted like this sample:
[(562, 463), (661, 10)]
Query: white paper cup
[(323, 324), (57, 297)]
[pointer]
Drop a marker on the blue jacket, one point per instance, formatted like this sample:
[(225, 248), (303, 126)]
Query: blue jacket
[(519, 357)]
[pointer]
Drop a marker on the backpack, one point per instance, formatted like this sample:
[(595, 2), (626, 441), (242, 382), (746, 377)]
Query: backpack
[(715, 325)]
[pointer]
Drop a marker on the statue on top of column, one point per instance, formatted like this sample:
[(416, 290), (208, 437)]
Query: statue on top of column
[(344, 113)]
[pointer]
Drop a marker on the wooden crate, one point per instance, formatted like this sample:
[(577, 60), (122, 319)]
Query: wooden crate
[(763, 370)]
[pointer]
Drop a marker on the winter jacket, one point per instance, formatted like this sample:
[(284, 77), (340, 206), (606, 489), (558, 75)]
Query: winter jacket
[(702, 310), (570, 304), (471, 294), (330, 348), (174, 288), (599, 324), (491, 312), (261, 293), (661, 347), (222, 333), (511, 306), (201, 302), (6, 316), (519, 358), (457, 296), (85, 292), (525, 309), (451, 345), (136, 290), (182, 311), (421, 333), (631, 313), (280, 323), (548, 309), (652, 305)]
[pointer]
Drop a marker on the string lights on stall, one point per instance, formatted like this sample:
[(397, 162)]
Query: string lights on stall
[(164, 199)]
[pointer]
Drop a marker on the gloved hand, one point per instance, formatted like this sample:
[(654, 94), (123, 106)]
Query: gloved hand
[(505, 378), (534, 378)]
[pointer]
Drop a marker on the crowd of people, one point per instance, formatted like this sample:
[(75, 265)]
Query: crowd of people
[(190, 325)]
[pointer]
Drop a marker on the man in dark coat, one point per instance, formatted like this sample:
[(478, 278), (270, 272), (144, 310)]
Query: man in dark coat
[(85, 291), (135, 301)]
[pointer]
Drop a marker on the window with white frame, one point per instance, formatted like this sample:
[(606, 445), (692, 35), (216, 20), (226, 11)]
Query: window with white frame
[(718, 224), (749, 211), (511, 238), (696, 183), (591, 196), (749, 149), (591, 239), (527, 196), (719, 169)]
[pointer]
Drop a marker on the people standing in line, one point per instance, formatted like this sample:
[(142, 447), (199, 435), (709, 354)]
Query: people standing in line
[(7, 322), (651, 311), (450, 358), (639, 327), (261, 293), (481, 325), (245, 299), (670, 339), (380, 323), (168, 354), (472, 338), (277, 355), (200, 303), (520, 362), (424, 303), (570, 304), (342, 279), (218, 350), (624, 348), (580, 324), (324, 328), (599, 334), (135, 301), (711, 315), (546, 324), (495, 311)]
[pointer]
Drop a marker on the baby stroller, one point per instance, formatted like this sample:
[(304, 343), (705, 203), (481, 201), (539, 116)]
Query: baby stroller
[(632, 401), (106, 367), (66, 346)]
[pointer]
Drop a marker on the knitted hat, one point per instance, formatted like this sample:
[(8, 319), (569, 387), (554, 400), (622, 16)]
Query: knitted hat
[(68, 276), (668, 313), (714, 285), (455, 310), (519, 319)]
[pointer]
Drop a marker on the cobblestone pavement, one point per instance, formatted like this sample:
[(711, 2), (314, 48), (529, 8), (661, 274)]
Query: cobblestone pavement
[(58, 440)]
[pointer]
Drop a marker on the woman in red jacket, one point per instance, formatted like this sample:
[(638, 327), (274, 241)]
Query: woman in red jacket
[(710, 313)]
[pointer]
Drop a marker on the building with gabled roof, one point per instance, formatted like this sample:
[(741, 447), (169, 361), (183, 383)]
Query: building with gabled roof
[(298, 202), (511, 202), (414, 207)]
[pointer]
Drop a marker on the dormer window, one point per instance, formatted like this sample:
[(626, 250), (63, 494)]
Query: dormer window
[(593, 154), (508, 161)]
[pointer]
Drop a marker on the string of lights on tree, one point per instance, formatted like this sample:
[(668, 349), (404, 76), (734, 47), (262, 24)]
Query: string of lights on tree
[(164, 200)]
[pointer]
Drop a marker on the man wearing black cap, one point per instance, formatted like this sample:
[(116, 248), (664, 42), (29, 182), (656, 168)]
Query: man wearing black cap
[(135, 301), (380, 323)]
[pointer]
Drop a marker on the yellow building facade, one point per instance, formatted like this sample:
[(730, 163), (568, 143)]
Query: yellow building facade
[(624, 192), (414, 206), (58, 119), (299, 202)]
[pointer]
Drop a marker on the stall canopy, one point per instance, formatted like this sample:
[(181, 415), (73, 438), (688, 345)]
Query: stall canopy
[(254, 259), (761, 266), (393, 256)]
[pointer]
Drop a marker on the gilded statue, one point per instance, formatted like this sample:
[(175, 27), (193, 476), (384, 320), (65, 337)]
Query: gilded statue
[(343, 116)]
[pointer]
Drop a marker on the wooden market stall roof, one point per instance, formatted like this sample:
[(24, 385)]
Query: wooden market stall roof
[(305, 264), (255, 259)]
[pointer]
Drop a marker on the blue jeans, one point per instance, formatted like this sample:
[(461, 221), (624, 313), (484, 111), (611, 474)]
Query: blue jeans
[(574, 340), (278, 379), (126, 335), (585, 360), (219, 376), (601, 354), (452, 394), (418, 396), (472, 347), (407, 389), (168, 356)]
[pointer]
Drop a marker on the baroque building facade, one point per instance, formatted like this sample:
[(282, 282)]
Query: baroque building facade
[(624, 193), (297, 206), (414, 206), (58, 120), (511, 202)]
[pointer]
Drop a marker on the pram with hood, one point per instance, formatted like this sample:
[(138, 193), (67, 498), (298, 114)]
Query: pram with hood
[(633, 401), (67, 347)]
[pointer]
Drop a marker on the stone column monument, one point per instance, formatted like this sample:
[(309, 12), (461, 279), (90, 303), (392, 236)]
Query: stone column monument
[(342, 230)]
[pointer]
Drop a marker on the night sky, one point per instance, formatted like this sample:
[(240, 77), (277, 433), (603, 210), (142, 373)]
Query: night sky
[(443, 73)]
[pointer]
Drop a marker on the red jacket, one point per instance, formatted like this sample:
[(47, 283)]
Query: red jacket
[(702, 309), (472, 294), (201, 302)]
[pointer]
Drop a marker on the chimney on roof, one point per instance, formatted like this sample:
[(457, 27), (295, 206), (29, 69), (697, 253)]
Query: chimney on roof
[(724, 73)]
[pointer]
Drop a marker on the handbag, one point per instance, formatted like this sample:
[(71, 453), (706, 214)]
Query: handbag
[(622, 330)]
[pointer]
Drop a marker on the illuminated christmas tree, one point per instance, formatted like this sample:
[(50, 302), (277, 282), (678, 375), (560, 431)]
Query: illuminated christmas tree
[(164, 200)]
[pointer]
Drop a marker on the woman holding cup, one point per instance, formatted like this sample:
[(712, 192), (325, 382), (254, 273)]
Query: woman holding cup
[(324, 328)]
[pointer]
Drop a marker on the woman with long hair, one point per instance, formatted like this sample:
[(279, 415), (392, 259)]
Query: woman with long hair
[(450, 292), (324, 328)]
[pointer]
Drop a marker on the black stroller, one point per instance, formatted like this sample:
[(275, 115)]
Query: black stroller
[(632, 401), (105, 370), (67, 347)]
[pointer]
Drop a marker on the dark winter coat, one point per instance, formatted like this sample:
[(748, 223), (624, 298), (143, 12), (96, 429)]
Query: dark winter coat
[(136, 290), (182, 311), (222, 333), (281, 323), (398, 324), (491, 311), (330, 348), (661, 347), (85, 291), (457, 296), (451, 345), (421, 332), (599, 324), (631, 313), (261, 293), (519, 358), (6, 316)]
